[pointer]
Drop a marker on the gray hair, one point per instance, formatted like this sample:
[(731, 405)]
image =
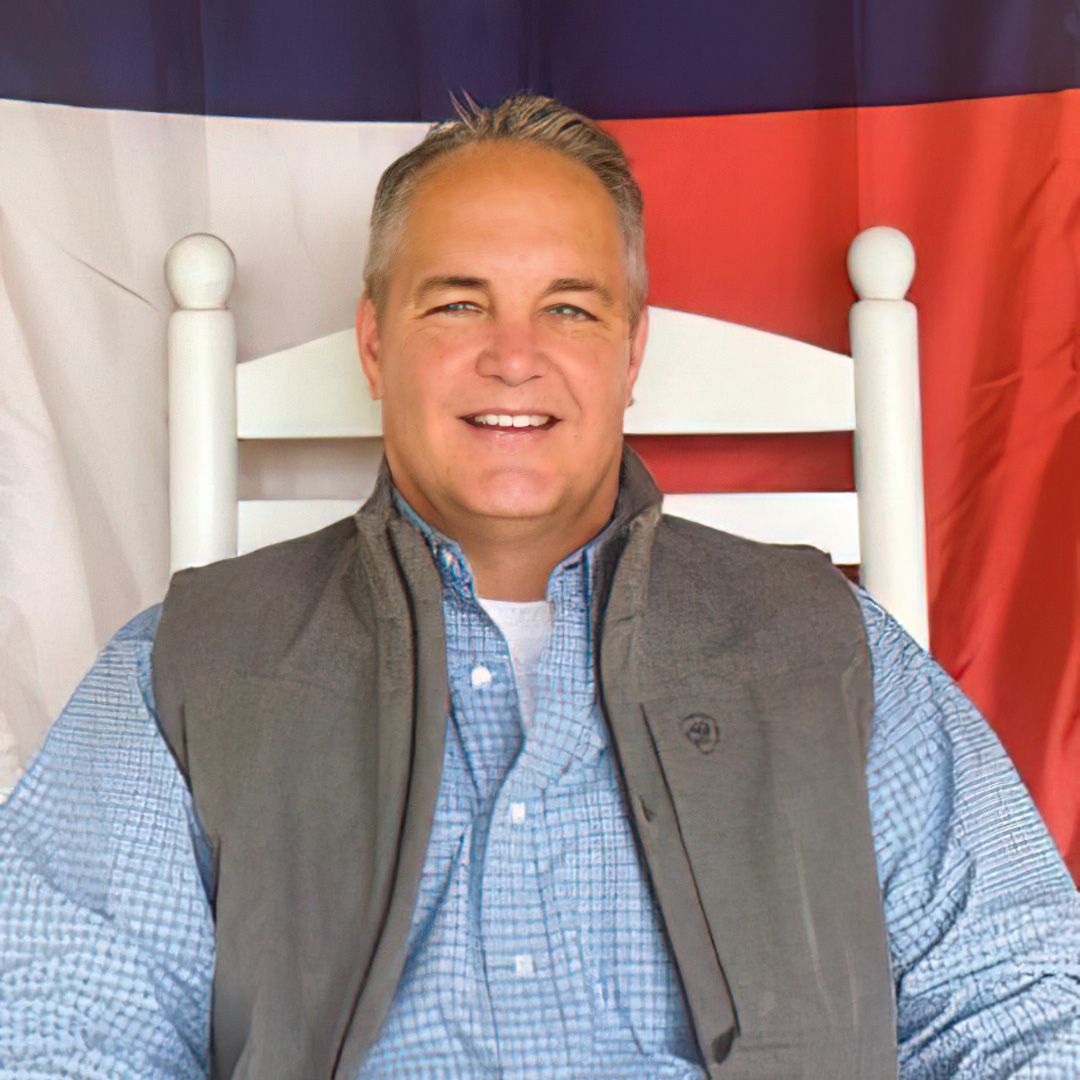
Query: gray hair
[(526, 118)]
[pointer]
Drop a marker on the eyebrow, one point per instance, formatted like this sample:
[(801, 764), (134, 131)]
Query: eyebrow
[(447, 281), (580, 285), (457, 281)]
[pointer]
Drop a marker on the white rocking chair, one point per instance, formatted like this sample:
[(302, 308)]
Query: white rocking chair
[(699, 376)]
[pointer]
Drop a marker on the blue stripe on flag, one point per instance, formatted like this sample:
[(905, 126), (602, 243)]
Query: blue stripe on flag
[(398, 59)]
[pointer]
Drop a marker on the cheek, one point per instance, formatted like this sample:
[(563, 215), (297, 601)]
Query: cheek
[(598, 383), (425, 376)]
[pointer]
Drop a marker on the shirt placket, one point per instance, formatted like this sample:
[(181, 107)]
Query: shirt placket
[(531, 968), (534, 979)]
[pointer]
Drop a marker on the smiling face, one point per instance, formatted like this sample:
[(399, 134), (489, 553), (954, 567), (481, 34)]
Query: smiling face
[(503, 352)]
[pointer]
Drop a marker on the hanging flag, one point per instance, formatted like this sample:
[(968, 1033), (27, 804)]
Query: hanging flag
[(764, 136)]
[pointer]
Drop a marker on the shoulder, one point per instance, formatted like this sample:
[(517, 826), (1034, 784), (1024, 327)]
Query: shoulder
[(276, 572), (268, 587), (733, 580), (917, 704), (246, 612), (106, 732), (138, 631)]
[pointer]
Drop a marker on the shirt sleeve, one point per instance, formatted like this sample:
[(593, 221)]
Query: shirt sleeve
[(106, 932), (982, 916)]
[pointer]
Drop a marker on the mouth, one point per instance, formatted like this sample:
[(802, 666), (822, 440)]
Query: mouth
[(511, 423)]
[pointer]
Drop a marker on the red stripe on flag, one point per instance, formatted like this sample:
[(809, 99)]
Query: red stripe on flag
[(690, 463)]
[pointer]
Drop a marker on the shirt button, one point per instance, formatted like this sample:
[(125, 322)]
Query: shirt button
[(480, 676), (523, 966), (517, 812), (448, 558)]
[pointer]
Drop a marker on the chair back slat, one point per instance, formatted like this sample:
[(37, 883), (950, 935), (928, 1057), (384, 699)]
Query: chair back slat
[(268, 521), (702, 376), (312, 391), (828, 520)]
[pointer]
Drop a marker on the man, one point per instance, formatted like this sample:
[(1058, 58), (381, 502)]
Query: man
[(508, 775)]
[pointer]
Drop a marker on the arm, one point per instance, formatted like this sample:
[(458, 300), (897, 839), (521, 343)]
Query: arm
[(106, 934), (982, 915)]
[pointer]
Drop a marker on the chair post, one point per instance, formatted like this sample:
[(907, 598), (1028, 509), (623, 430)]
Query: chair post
[(200, 271), (888, 426)]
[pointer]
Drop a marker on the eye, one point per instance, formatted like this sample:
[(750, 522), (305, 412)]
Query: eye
[(570, 311), (455, 307)]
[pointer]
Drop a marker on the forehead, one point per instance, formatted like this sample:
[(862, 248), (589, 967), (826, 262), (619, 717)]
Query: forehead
[(511, 199)]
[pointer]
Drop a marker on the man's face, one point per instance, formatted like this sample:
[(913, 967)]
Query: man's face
[(507, 298)]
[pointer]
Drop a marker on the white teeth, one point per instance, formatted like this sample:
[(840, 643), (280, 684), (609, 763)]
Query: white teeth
[(504, 420)]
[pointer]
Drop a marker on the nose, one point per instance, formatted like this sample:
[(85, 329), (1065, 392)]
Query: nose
[(512, 354)]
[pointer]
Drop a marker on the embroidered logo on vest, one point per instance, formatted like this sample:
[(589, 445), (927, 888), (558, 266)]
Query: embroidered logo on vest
[(702, 731)]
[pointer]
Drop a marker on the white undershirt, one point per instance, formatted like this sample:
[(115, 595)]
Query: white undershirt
[(527, 629)]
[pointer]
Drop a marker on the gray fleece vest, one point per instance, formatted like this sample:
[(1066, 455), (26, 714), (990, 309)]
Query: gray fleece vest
[(303, 691)]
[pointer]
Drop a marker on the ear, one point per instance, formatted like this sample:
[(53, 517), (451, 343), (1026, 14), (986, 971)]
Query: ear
[(367, 343), (638, 338)]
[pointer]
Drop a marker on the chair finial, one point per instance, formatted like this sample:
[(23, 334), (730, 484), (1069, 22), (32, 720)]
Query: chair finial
[(881, 263), (200, 271)]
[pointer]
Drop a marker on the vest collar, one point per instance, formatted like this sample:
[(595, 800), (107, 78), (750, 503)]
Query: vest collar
[(638, 502)]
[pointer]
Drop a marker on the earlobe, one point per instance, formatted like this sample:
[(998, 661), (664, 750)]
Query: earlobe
[(367, 344)]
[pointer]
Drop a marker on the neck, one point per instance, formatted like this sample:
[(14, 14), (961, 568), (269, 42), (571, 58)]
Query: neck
[(513, 559)]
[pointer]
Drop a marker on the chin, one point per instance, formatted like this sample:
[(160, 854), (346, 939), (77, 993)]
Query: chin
[(517, 495)]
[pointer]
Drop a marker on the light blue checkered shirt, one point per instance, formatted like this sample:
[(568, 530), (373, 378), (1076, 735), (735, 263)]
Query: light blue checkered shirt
[(535, 949)]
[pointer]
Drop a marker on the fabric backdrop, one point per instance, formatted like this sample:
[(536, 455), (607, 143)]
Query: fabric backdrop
[(764, 136)]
